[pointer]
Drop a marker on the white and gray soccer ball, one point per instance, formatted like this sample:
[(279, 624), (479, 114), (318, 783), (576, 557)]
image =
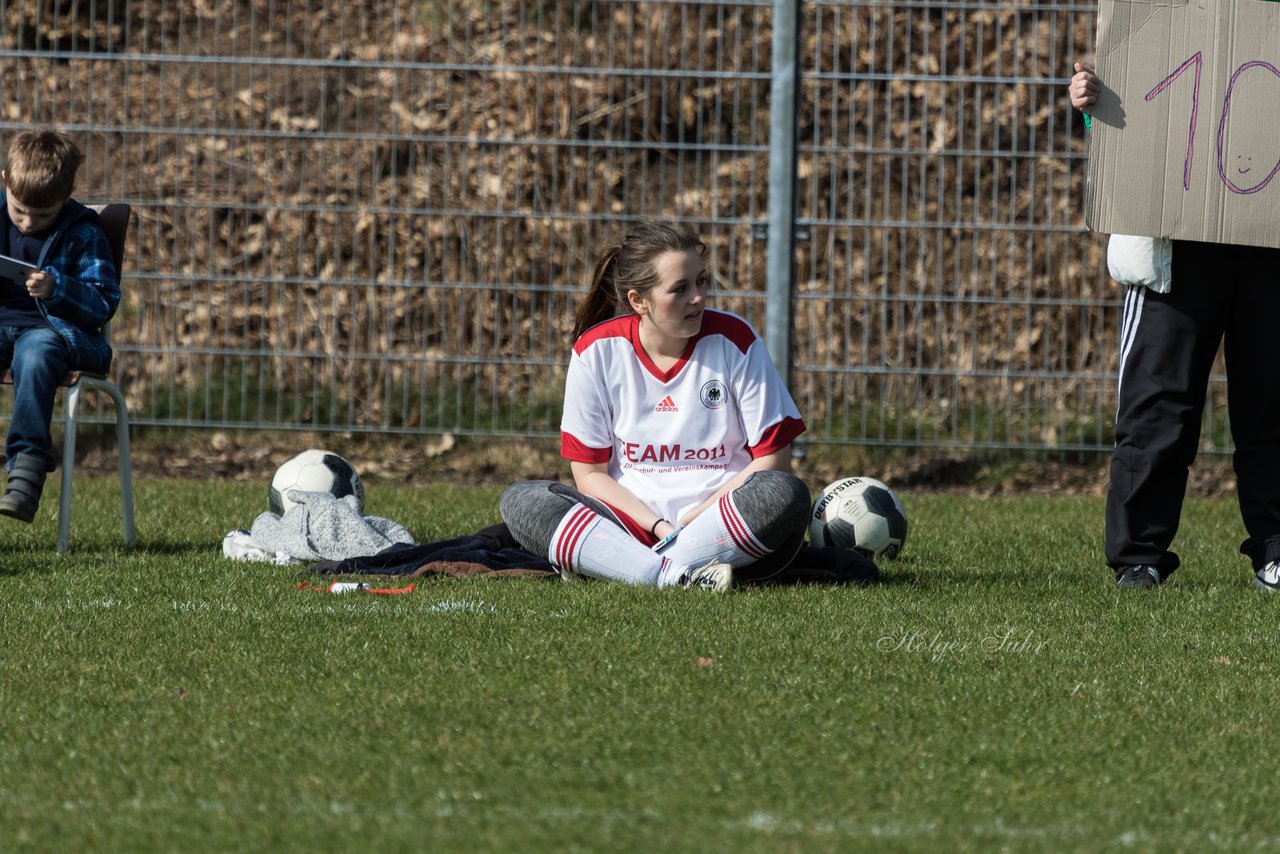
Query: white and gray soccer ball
[(859, 513), (314, 471)]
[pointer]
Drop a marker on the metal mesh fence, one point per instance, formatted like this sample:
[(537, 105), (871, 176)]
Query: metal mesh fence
[(380, 215), (947, 285)]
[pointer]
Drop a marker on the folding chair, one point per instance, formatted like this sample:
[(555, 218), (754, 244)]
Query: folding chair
[(115, 222)]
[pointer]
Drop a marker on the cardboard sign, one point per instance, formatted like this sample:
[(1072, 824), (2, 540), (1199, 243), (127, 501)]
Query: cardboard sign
[(1186, 133)]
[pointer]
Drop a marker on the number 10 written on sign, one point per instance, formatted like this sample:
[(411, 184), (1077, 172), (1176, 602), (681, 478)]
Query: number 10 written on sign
[(1244, 178)]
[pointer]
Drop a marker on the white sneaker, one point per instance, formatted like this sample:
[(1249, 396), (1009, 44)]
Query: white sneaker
[(715, 576), (1268, 578)]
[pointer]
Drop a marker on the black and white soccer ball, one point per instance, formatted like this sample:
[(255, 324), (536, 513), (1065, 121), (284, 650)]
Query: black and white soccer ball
[(859, 513), (314, 471)]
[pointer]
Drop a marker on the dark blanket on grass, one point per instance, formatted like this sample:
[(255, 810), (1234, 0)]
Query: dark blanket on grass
[(494, 552)]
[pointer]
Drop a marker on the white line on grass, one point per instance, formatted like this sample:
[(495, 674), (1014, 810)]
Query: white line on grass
[(769, 824), (469, 804)]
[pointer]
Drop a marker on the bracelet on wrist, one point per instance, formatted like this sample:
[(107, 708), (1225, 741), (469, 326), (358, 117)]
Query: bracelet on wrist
[(654, 528)]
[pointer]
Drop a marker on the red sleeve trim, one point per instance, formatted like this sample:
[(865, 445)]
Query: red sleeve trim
[(777, 437), (730, 326), (617, 327), (572, 449)]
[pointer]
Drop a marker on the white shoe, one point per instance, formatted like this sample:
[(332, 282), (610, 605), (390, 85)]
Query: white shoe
[(1268, 578), (715, 576)]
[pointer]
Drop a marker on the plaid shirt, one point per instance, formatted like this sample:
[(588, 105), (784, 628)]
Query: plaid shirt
[(86, 288)]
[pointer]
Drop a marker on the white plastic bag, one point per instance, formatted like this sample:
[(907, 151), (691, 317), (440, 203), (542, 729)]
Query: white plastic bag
[(1135, 260)]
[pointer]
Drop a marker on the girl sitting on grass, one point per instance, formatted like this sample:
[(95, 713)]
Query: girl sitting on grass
[(678, 432)]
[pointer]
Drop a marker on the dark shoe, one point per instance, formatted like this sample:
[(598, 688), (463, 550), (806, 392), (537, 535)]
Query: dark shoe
[(1143, 576), (1268, 578), (21, 497)]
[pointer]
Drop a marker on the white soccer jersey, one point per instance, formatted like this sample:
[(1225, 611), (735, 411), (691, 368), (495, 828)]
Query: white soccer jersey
[(673, 438)]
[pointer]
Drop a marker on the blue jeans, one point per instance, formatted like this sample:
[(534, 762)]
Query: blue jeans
[(39, 359)]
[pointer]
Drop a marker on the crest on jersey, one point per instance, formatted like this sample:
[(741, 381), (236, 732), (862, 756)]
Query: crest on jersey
[(714, 395)]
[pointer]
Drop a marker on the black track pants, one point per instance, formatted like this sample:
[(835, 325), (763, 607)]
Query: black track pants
[(1167, 348)]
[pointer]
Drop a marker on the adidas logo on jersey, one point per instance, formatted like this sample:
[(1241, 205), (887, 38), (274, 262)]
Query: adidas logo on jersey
[(667, 405)]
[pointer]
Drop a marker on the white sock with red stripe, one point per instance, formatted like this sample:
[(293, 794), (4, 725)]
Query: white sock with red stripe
[(591, 545), (718, 533)]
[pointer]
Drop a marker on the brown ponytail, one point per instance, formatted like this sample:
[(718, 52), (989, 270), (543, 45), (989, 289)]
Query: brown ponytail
[(599, 304), (629, 267)]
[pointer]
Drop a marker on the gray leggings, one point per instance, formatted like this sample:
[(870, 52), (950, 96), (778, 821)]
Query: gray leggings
[(773, 504)]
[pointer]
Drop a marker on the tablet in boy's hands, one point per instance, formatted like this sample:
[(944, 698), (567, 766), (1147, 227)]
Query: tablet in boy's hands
[(15, 270)]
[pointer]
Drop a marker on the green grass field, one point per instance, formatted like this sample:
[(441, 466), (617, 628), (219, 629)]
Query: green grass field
[(996, 691)]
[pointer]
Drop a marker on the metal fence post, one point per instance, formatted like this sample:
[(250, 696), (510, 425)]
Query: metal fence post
[(780, 260)]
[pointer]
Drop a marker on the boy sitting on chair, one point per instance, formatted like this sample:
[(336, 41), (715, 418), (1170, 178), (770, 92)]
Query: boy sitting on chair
[(51, 323)]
